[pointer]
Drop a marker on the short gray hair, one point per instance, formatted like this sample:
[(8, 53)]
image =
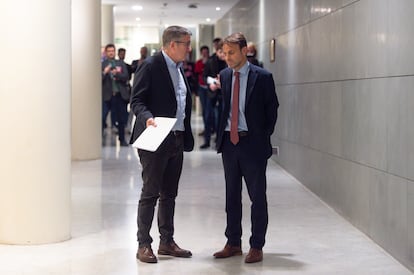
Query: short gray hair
[(173, 33)]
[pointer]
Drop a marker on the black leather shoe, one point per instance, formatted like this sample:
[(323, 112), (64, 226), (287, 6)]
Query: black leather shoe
[(146, 255), (228, 251), (173, 249)]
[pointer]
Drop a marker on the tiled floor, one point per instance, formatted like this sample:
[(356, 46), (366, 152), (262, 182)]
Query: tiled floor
[(304, 235)]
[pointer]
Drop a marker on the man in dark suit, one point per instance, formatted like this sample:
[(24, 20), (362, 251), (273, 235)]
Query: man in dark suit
[(244, 141), (160, 90)]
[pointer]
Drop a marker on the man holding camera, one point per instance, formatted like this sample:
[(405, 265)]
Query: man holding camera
[(114, 78)]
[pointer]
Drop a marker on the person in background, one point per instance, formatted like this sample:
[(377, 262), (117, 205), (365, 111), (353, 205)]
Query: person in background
[(127, 96), (202, 86), (144, 54), (246, 126), (134, 65), (213, 66), (160, 89), (252, 55), (114, 77), (103, 54), (188, 67)]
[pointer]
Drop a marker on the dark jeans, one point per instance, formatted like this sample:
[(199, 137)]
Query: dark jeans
[(106, 107), (240, 161), (202, 93), (213, 113), (161, 171), (118, 108)]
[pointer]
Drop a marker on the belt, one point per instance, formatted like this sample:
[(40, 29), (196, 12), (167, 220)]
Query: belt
[(241, 133), (177, 133)]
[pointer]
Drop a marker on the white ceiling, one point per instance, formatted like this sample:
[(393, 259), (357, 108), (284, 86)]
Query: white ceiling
[(168, 12)]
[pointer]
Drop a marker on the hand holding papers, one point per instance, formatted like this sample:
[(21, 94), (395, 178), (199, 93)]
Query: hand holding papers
[(152, 137), (214, 83)]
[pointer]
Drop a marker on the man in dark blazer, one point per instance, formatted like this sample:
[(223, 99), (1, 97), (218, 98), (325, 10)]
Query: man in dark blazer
[(214, 98), (160, 90), (244, 141)]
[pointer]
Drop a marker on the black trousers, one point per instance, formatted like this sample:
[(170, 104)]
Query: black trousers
[(241, 161), (161, 171)]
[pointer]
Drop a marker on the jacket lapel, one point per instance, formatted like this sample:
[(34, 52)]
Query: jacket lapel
[(166, 73), (251, 81), (227, 95)]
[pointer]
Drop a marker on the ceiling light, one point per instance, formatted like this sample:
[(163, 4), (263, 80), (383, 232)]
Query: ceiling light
[(218, 8), (137, 8), (208, 19), (138, 19)]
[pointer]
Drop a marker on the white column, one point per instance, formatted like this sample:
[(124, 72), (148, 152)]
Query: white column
[(86, 80), (107, 25), (35, 87)]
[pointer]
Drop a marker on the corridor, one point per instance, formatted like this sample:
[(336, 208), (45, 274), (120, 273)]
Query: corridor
[(304, 235)]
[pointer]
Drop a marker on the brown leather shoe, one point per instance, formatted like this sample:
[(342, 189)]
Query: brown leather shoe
[(254, 256), (228, 251), (146, 255), (173, 249)]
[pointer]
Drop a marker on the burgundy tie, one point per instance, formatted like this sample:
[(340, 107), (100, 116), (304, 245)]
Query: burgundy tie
[(234, 132)]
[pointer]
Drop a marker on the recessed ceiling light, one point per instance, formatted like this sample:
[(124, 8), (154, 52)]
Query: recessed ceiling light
[(208, 19), (218, 8), (138, 19), (137, 8)]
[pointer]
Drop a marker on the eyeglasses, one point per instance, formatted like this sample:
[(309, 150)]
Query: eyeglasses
[(187, 44)]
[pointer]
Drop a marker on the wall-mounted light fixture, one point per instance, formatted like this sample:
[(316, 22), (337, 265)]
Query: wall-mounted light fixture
[(272, 50)]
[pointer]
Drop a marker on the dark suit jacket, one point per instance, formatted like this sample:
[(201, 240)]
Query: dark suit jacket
[(153, 95), (260, 110), (212, 68)]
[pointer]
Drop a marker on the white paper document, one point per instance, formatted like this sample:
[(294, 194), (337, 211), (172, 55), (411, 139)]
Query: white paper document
[(211, 80), (152, 137)]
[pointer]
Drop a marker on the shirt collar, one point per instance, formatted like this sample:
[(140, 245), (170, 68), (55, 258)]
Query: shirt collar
[(170, 62), (244, 70)]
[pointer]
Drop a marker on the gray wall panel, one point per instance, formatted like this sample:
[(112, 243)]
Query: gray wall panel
[(409, 258), (388, 220), (344, 74)]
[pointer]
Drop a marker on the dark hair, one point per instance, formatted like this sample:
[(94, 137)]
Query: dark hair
[(236, 38), (204, 48), (109, 46), (216, 43), (216, 40), (121, 50), (220, 45), (173, 33)]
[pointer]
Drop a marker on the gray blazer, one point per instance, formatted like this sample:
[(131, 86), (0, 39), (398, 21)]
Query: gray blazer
[(121, 80)]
